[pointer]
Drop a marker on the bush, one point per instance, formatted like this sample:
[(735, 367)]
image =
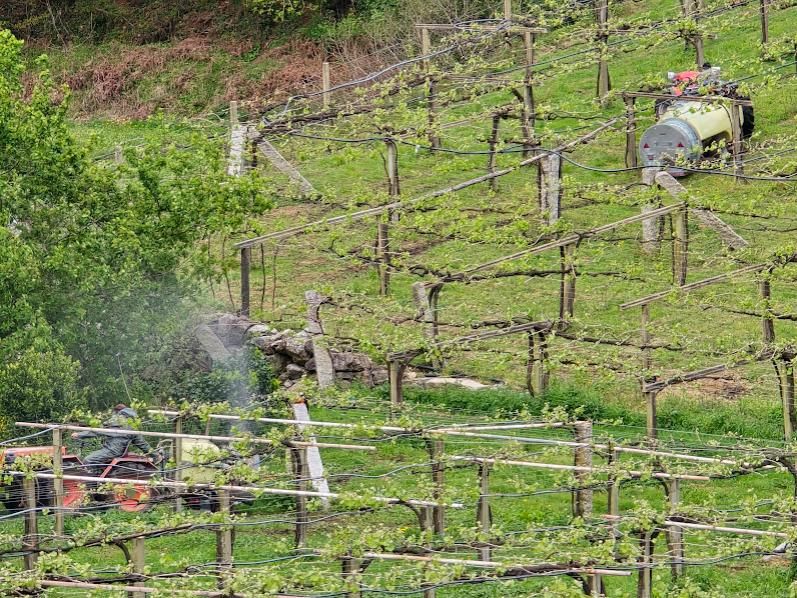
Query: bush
[(98, 264), (233, 381), (37, 379)]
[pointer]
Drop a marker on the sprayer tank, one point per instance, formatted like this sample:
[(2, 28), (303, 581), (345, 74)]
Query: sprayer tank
[(682, 131)]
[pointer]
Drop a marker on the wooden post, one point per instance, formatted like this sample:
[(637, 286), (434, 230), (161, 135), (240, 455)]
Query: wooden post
[(383, 254), (435, 449), (118, 156), (299, 456), (483, 514), (529, 108), (177, 456), (675, 533), (58, 482), (613, 501), (246, 258), (350, 568), (604, 84), (567, 287), (680, 247), (233, 114), (30, 541), (224, 539), (736, 149), (139, 564), (786, 373), (431, 91), (764, 21), (645, 560), (325, 84), (767, 322), (393, 186), (536, 375), (550, 187), (492, 144), (595, 582), (651, 417), (395, 369), (630, 132), (508, 10), (392, 167), (582, 497)]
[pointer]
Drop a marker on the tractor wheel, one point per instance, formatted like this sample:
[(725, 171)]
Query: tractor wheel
[(14, 498), (138, 495), (205, 501), (748, 121), (15, 494)]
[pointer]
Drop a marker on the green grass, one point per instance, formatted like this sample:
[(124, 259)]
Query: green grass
[(747, 577), (353, 176)]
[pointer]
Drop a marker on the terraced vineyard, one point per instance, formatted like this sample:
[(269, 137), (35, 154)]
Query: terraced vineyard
[(477, 211)]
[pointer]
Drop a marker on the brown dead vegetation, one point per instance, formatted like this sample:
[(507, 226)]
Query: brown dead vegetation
[(728, 386), (103, 83), (110, 84)]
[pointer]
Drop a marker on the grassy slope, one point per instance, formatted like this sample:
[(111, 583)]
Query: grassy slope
[(747, 577), (357, 171), (354, 171)]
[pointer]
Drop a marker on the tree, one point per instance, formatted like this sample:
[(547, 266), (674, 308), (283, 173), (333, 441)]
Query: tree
[(98, 263)]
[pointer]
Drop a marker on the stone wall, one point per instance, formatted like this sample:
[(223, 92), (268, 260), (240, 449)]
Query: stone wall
[(290, 353)]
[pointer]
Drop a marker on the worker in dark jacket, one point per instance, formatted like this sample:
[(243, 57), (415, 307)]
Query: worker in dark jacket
[(113, 445)]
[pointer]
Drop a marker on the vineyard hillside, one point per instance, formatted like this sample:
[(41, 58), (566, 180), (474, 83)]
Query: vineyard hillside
[(399, 299)]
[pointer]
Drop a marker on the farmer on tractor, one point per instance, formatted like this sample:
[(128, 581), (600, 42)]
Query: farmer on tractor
[(113, 445)]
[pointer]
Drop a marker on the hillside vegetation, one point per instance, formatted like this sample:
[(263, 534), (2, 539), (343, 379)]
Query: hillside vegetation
[(127, 60), (121, 235)]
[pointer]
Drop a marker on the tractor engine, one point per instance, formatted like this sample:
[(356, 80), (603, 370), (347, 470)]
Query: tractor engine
[(686, 129)]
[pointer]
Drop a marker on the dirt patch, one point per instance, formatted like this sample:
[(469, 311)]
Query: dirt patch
[(729, 386)]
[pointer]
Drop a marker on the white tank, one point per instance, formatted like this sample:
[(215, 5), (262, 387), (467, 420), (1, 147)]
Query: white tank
[(683, 130), (200, 460), (708, 120)]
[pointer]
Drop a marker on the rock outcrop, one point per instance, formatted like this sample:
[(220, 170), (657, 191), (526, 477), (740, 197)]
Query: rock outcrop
[(288, 352)]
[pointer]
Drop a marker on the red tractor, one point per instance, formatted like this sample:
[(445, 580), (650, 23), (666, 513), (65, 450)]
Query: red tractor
[(132, 497)]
